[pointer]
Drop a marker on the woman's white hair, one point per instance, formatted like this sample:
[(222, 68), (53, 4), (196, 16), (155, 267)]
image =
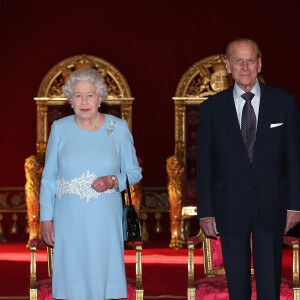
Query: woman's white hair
[(85, 75)]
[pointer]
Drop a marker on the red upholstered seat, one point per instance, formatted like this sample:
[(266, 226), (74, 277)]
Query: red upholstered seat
[(215, 288), (214, 285), (45, 289), (217, 256)]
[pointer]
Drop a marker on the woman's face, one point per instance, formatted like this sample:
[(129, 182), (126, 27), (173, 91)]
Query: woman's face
[(85, 100)]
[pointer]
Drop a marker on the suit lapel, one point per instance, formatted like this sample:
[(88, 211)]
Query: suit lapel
[(232, 122), (264, 121)]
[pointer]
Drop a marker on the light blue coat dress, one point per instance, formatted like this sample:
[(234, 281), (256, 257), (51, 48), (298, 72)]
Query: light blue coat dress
[(89, 249)]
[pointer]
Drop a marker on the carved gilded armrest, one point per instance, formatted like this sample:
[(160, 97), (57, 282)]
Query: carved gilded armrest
[(294, 243), (33, 170), (191, 243), (175, 169), (138, 246)]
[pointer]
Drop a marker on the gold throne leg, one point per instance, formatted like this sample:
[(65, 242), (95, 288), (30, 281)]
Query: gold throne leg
[(175, 189), (33, 172)]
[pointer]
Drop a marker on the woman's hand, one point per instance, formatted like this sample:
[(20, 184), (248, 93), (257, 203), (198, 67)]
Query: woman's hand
[(104, 183), (48, 232)]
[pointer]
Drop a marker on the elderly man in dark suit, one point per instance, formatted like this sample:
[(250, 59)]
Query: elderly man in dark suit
[(248, 181)]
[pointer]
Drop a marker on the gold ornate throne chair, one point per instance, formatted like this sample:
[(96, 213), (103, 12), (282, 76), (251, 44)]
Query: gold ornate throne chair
[(51, 105), (202, 80), (214, 283)]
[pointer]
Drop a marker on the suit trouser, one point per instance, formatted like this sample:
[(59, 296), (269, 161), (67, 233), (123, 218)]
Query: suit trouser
[(267, 257)]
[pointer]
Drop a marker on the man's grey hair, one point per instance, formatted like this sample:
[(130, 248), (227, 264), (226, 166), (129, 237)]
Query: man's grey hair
[(228, 48), (85, 75)]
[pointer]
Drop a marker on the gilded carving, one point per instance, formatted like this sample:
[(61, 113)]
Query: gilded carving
[(139, 290), (175, 170), (33, 287), (220, 79), (127, 113), (179, 130), (41, 128), (33, 172)]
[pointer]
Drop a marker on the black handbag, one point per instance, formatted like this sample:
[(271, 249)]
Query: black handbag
[(131, 223)]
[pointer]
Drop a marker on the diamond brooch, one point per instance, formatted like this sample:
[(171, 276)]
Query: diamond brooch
[(111, 124), (109, 131)]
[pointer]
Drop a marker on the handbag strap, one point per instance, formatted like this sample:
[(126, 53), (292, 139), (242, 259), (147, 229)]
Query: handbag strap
[(128, 193)]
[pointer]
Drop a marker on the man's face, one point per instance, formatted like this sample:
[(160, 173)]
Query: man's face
[(243, 64)]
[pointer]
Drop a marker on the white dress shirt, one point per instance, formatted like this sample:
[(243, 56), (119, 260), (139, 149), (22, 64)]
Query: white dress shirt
[(240, 102)]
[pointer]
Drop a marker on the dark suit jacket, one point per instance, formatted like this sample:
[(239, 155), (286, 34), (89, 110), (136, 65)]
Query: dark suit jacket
[(232, 189)]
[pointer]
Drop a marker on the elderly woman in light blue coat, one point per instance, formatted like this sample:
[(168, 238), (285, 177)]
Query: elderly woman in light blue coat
[(88, 157)]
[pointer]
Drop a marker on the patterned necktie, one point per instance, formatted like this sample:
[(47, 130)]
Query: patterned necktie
[(248, 126)]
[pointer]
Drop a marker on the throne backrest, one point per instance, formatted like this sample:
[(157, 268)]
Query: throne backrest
[(201, 81), (52, 105)]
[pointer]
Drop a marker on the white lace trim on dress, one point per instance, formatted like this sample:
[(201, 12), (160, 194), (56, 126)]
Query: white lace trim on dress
[(80, 186)]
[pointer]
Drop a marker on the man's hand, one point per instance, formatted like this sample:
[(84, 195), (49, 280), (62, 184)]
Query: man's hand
[(292, 219), (48, 232), (209, 227)]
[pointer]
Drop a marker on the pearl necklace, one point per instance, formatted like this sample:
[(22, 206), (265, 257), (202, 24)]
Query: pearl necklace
[(91, 127)]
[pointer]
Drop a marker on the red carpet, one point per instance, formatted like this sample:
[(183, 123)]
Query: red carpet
[(164, 270)]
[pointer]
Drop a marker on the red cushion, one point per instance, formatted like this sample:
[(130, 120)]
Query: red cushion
[(216, 253), (37, 242), (131, 289), (45, 289), (289, 240), (215, 288)]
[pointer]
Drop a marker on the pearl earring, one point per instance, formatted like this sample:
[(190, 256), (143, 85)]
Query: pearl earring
[(72, 106), (99, 104)]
